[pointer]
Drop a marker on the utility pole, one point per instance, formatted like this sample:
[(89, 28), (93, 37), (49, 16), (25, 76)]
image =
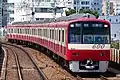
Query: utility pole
[(54, 9), (33, 11), (107, 9), (76, 6), (1, 13)]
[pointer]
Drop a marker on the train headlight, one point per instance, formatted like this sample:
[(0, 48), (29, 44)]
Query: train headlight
[(75, 54), (105, 25), (72, 25), (103, 54)]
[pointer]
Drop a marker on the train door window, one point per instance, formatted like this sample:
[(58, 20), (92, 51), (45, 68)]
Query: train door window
[(59, 35), (47, 33), (30, 31), (38, 32), (44, 32), (55, 34), (50, 33), (23, 31), (9, 30), (62, 35), (18, 31), (26, 31), (34, 32), (14, 30)]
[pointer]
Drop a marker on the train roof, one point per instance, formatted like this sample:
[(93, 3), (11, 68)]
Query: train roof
[(61, 21)]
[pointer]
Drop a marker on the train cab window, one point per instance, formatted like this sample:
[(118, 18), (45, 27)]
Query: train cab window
[(75, 33), (96, 33)]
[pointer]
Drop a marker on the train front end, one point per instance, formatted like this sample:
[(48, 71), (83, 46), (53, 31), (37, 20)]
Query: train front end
[(88, 46)]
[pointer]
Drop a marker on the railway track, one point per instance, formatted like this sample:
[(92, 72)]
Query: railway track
[(58, 72), (23, 67)]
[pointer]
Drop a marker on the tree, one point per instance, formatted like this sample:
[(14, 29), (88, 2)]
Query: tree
[(72, 11), (69, 12), (115, 44)]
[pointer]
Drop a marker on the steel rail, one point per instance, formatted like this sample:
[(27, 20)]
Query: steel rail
[(103, 78), (44, 77), (17, 63), (79, 78)]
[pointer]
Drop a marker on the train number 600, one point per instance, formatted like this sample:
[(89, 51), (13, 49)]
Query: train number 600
[(98, 46)]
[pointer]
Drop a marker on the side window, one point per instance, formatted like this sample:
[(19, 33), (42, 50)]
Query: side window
[(20, 31)]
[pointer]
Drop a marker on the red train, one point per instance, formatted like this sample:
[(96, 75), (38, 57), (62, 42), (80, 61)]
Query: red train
[(82, 44)]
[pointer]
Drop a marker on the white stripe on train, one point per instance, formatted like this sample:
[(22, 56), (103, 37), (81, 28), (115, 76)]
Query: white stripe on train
[(89, 46)]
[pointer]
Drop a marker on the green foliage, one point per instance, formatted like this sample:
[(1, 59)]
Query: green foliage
[(72, 11), (69, 12), (115, 45)]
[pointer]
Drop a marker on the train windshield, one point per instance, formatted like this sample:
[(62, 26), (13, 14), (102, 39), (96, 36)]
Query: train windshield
[(89, 33)]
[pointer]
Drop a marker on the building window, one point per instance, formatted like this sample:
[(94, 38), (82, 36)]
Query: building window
[(116, 20), (11, 12), (11, 19), (85, 2), (110, 20), (37, 19)]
